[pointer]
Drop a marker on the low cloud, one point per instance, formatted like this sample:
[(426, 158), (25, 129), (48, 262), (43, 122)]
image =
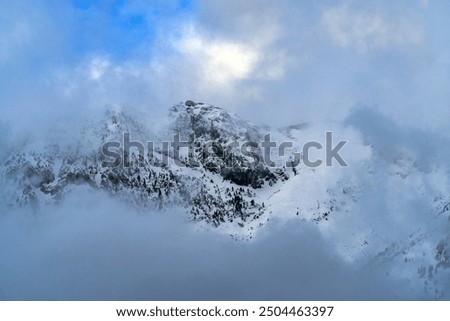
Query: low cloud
[(100, 250)]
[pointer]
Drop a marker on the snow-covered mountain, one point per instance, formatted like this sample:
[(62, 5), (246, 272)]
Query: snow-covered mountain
[(216, 183), (229, 191)]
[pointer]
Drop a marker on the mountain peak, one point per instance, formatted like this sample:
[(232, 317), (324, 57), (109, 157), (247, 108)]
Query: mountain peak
[(211, 122)]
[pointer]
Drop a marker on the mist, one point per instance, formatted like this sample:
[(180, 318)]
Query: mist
[(376, 74), (93, 248)]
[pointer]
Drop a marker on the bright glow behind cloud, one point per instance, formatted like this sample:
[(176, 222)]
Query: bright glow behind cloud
[(222, 62)]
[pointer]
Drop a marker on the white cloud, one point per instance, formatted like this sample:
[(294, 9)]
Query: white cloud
[(366, 31), (100, 249), (13, 38), (249, 57), (221, 62), (29, 31), (424, 3), (98, 67)]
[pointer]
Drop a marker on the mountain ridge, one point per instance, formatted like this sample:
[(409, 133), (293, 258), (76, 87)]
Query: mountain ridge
[(223, 189)]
